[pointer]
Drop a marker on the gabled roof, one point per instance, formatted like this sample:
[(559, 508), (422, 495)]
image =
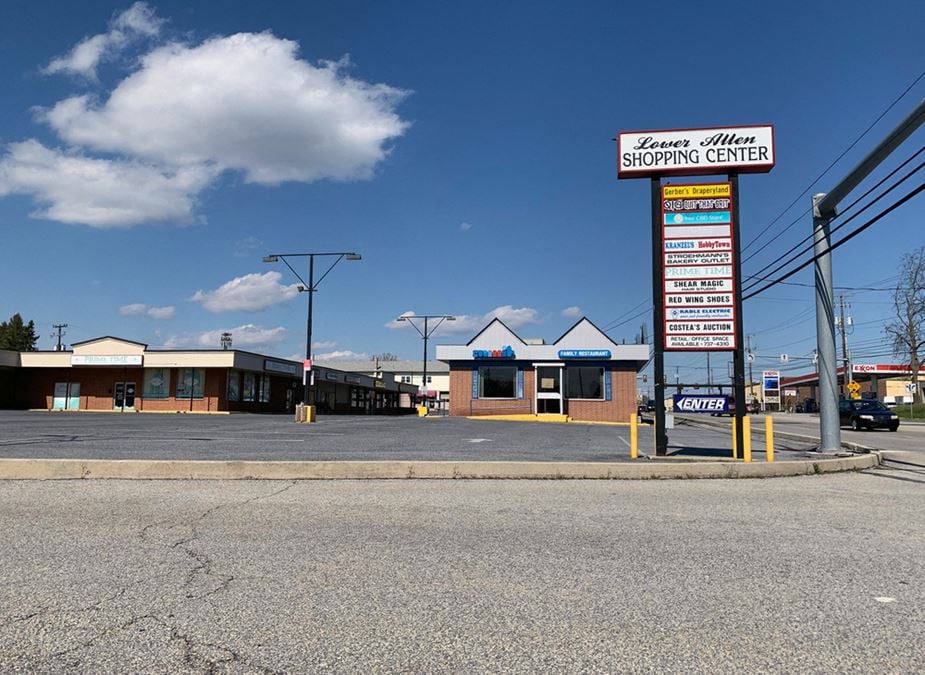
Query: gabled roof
[(584, 327), (498, 327), (108, 337)]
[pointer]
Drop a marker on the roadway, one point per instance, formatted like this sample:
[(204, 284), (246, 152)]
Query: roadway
[(809, 574), (909, 441)]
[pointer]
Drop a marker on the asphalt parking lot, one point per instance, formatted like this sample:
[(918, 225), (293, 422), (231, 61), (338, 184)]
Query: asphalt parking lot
[(332, 438)]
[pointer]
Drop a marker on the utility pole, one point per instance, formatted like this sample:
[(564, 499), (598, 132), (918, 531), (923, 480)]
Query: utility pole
[(844, 344), (709, 375), (751, 359), (60, 328), (824, 210)]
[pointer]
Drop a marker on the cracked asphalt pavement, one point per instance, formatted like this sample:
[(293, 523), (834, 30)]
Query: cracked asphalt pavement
[(817, 573)]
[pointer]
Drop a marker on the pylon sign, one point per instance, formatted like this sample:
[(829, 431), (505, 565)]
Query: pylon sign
[(696, 266), (698, 269)]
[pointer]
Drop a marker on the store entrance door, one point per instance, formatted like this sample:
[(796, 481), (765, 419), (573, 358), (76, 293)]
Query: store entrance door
[(123, 396), (549, 390)]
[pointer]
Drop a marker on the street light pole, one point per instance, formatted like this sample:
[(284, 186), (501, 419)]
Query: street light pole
[(310, 288), (425, 333)]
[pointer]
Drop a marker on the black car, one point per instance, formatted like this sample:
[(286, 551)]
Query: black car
[(866, 414)]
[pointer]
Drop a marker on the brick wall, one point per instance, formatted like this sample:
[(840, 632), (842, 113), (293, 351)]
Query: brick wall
[(462, 403), (97, 384), (619, 409)]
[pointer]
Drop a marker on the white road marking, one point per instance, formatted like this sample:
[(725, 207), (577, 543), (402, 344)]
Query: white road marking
[(884, 598), (477, 440), (625, 441)]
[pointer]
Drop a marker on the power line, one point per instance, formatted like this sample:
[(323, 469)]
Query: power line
[(819, 177), (851, 235), (609, 325), (758, 279)]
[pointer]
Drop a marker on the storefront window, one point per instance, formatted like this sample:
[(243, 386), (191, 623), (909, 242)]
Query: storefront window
[(234, 385), (264, 388), (497, 382), (584, 382), (157, 383), (190, 380), (358, 397), (249, 387)]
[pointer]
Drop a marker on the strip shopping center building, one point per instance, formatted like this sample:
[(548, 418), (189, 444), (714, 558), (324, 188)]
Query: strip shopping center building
[(111, 373), (583, 375)]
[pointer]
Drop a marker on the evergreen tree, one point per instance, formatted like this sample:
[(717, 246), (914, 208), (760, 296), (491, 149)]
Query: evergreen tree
[(17, 335)]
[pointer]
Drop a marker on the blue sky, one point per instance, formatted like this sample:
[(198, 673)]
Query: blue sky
[(153, 153)]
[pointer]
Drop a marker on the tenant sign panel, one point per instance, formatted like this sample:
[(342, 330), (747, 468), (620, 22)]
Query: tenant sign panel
[(680, 152), (698, 267)]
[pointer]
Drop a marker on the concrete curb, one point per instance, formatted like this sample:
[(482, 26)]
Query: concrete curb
[(139, 469)]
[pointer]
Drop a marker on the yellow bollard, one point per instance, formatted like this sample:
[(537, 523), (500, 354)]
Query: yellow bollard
[(634, 436), (769, 437), (747, 439), (735, 450), (422, 411), (654, 435)]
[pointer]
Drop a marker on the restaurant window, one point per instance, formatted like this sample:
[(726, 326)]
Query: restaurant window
[(157, 383), (189, 382), (234, 385), (584, 382), (249, 387), (497, 382), (264, 388)]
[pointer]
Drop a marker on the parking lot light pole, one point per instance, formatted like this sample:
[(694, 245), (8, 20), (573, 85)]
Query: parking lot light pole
[(425, 332), (310, 288)]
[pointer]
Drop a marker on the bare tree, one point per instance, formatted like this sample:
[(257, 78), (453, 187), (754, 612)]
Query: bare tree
[(907, 332), (384, 356)]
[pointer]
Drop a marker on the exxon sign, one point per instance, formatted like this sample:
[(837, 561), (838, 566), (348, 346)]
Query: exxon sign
[(687, 403)]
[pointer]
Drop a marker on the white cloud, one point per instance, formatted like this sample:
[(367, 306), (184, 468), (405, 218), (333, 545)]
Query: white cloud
[(327, 344), (136, 309), (178, 341), (102, 193), (465, 226), (162, 312), (139, 309), (513, 317), (252, 292), (244, 102), (247, 335), (246, 247), (342, 355), (135, 22), (572, 312), (188, 112)]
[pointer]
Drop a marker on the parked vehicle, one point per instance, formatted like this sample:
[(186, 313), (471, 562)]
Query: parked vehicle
[(752, 408), (866, 414)]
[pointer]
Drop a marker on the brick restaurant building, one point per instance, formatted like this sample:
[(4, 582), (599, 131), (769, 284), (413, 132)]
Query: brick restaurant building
[(583, 375), (114, 374)]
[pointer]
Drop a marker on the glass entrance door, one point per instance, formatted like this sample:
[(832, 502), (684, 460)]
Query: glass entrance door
[(123, 396), (549, 390)]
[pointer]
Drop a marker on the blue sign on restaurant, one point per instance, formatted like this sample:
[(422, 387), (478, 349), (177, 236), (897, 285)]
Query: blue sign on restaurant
[(584, 353), (504, 353)]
